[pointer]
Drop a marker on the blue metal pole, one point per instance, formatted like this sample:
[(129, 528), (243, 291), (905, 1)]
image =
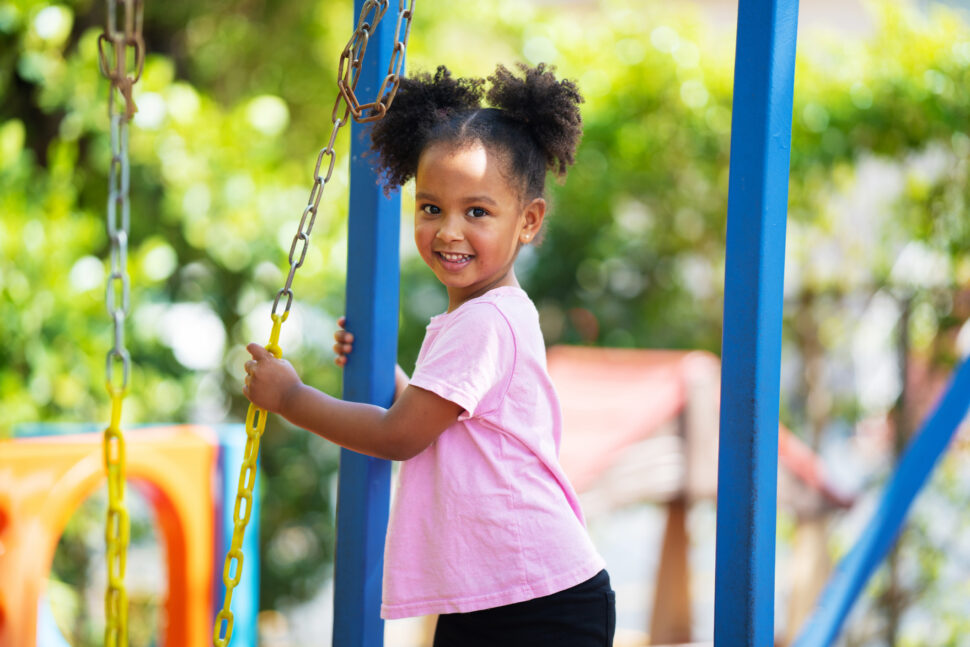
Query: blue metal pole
[(751, 345), (372, 313), (910, 476)]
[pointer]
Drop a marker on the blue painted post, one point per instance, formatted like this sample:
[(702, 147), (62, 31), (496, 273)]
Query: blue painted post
[(245, 600), (751, 345), (372, 313), (910, 476)]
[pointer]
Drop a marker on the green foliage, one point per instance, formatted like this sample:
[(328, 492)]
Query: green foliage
[(216, 190), (234, 104)]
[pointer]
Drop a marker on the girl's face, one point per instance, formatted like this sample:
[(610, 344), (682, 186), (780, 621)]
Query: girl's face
[(468, 221)]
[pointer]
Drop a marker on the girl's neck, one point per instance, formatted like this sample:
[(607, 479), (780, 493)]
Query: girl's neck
[(455, 299)]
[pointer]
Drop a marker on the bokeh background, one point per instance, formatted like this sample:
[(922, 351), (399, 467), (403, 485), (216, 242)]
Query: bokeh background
[(233, 107)]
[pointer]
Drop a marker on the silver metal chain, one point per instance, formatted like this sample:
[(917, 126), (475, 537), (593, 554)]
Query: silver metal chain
[(345, 106), (114, 47), (118, 289)]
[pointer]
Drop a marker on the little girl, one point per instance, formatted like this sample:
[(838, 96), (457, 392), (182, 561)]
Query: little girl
[(485, 530)]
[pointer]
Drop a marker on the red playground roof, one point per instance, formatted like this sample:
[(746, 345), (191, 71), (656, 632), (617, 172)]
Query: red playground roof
[(612, 398)]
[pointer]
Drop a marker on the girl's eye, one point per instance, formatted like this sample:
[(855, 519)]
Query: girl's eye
[(477, 212), (431, 209)]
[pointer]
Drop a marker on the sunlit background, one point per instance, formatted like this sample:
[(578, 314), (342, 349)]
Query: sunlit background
[(233, 107)]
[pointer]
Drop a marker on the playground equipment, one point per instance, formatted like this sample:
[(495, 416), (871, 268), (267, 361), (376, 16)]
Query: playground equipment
[(45, 474), (911, 474), (113, 51)]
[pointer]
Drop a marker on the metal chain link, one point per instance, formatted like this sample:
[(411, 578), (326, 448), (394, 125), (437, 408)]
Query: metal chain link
[(353, 54), (346, 104), (115, 47), (348, 75)]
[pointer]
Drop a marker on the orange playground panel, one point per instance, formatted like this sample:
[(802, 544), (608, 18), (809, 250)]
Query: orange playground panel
[(44, 479)]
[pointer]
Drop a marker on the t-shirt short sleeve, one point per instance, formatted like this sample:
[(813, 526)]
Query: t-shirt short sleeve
[(470, 360)]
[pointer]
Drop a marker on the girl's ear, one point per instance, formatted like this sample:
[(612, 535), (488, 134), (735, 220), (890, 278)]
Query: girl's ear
[(533, 216)]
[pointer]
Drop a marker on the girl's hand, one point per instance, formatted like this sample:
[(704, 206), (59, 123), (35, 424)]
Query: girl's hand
[(345, 343), (269, 381)]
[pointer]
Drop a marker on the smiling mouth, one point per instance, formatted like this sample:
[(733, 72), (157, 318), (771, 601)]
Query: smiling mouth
[(454, 259)]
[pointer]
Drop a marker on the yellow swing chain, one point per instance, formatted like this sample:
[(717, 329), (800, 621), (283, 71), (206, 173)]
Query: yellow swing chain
[(346, 105), (122, 70)]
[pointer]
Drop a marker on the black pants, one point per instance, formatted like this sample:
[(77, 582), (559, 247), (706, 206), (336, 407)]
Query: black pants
[(582, 616)]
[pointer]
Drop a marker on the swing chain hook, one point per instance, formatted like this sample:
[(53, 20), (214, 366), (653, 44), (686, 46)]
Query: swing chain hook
[(353, 54), (115, 63)]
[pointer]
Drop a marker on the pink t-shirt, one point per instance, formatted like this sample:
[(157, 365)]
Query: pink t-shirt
[(485, 515)]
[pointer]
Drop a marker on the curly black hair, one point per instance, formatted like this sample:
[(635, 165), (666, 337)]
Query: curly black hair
[(534, 122)]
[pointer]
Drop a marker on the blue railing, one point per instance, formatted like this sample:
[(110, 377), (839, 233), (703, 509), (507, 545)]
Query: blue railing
[(911, 474)]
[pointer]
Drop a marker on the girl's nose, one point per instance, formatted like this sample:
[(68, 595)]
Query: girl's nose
[(450, 229)]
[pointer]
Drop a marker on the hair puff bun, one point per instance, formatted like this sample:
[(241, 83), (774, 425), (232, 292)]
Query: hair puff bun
[(422, 101), (534, 121), (549, 107)]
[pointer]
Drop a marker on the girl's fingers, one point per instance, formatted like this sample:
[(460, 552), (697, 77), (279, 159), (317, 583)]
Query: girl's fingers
[(344, 343), (258, 352)]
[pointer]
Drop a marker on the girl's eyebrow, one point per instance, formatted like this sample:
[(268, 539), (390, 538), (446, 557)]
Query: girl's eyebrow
[(480, 199), (423, 195)]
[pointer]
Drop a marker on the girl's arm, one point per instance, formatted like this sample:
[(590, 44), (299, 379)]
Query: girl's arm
[(412, 423), (401, 381)]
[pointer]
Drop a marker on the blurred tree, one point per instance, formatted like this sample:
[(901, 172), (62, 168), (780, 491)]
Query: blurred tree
[(234, 105), (215, 186)]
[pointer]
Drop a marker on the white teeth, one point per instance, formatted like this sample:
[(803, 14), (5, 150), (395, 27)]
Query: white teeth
[(455, 258)]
